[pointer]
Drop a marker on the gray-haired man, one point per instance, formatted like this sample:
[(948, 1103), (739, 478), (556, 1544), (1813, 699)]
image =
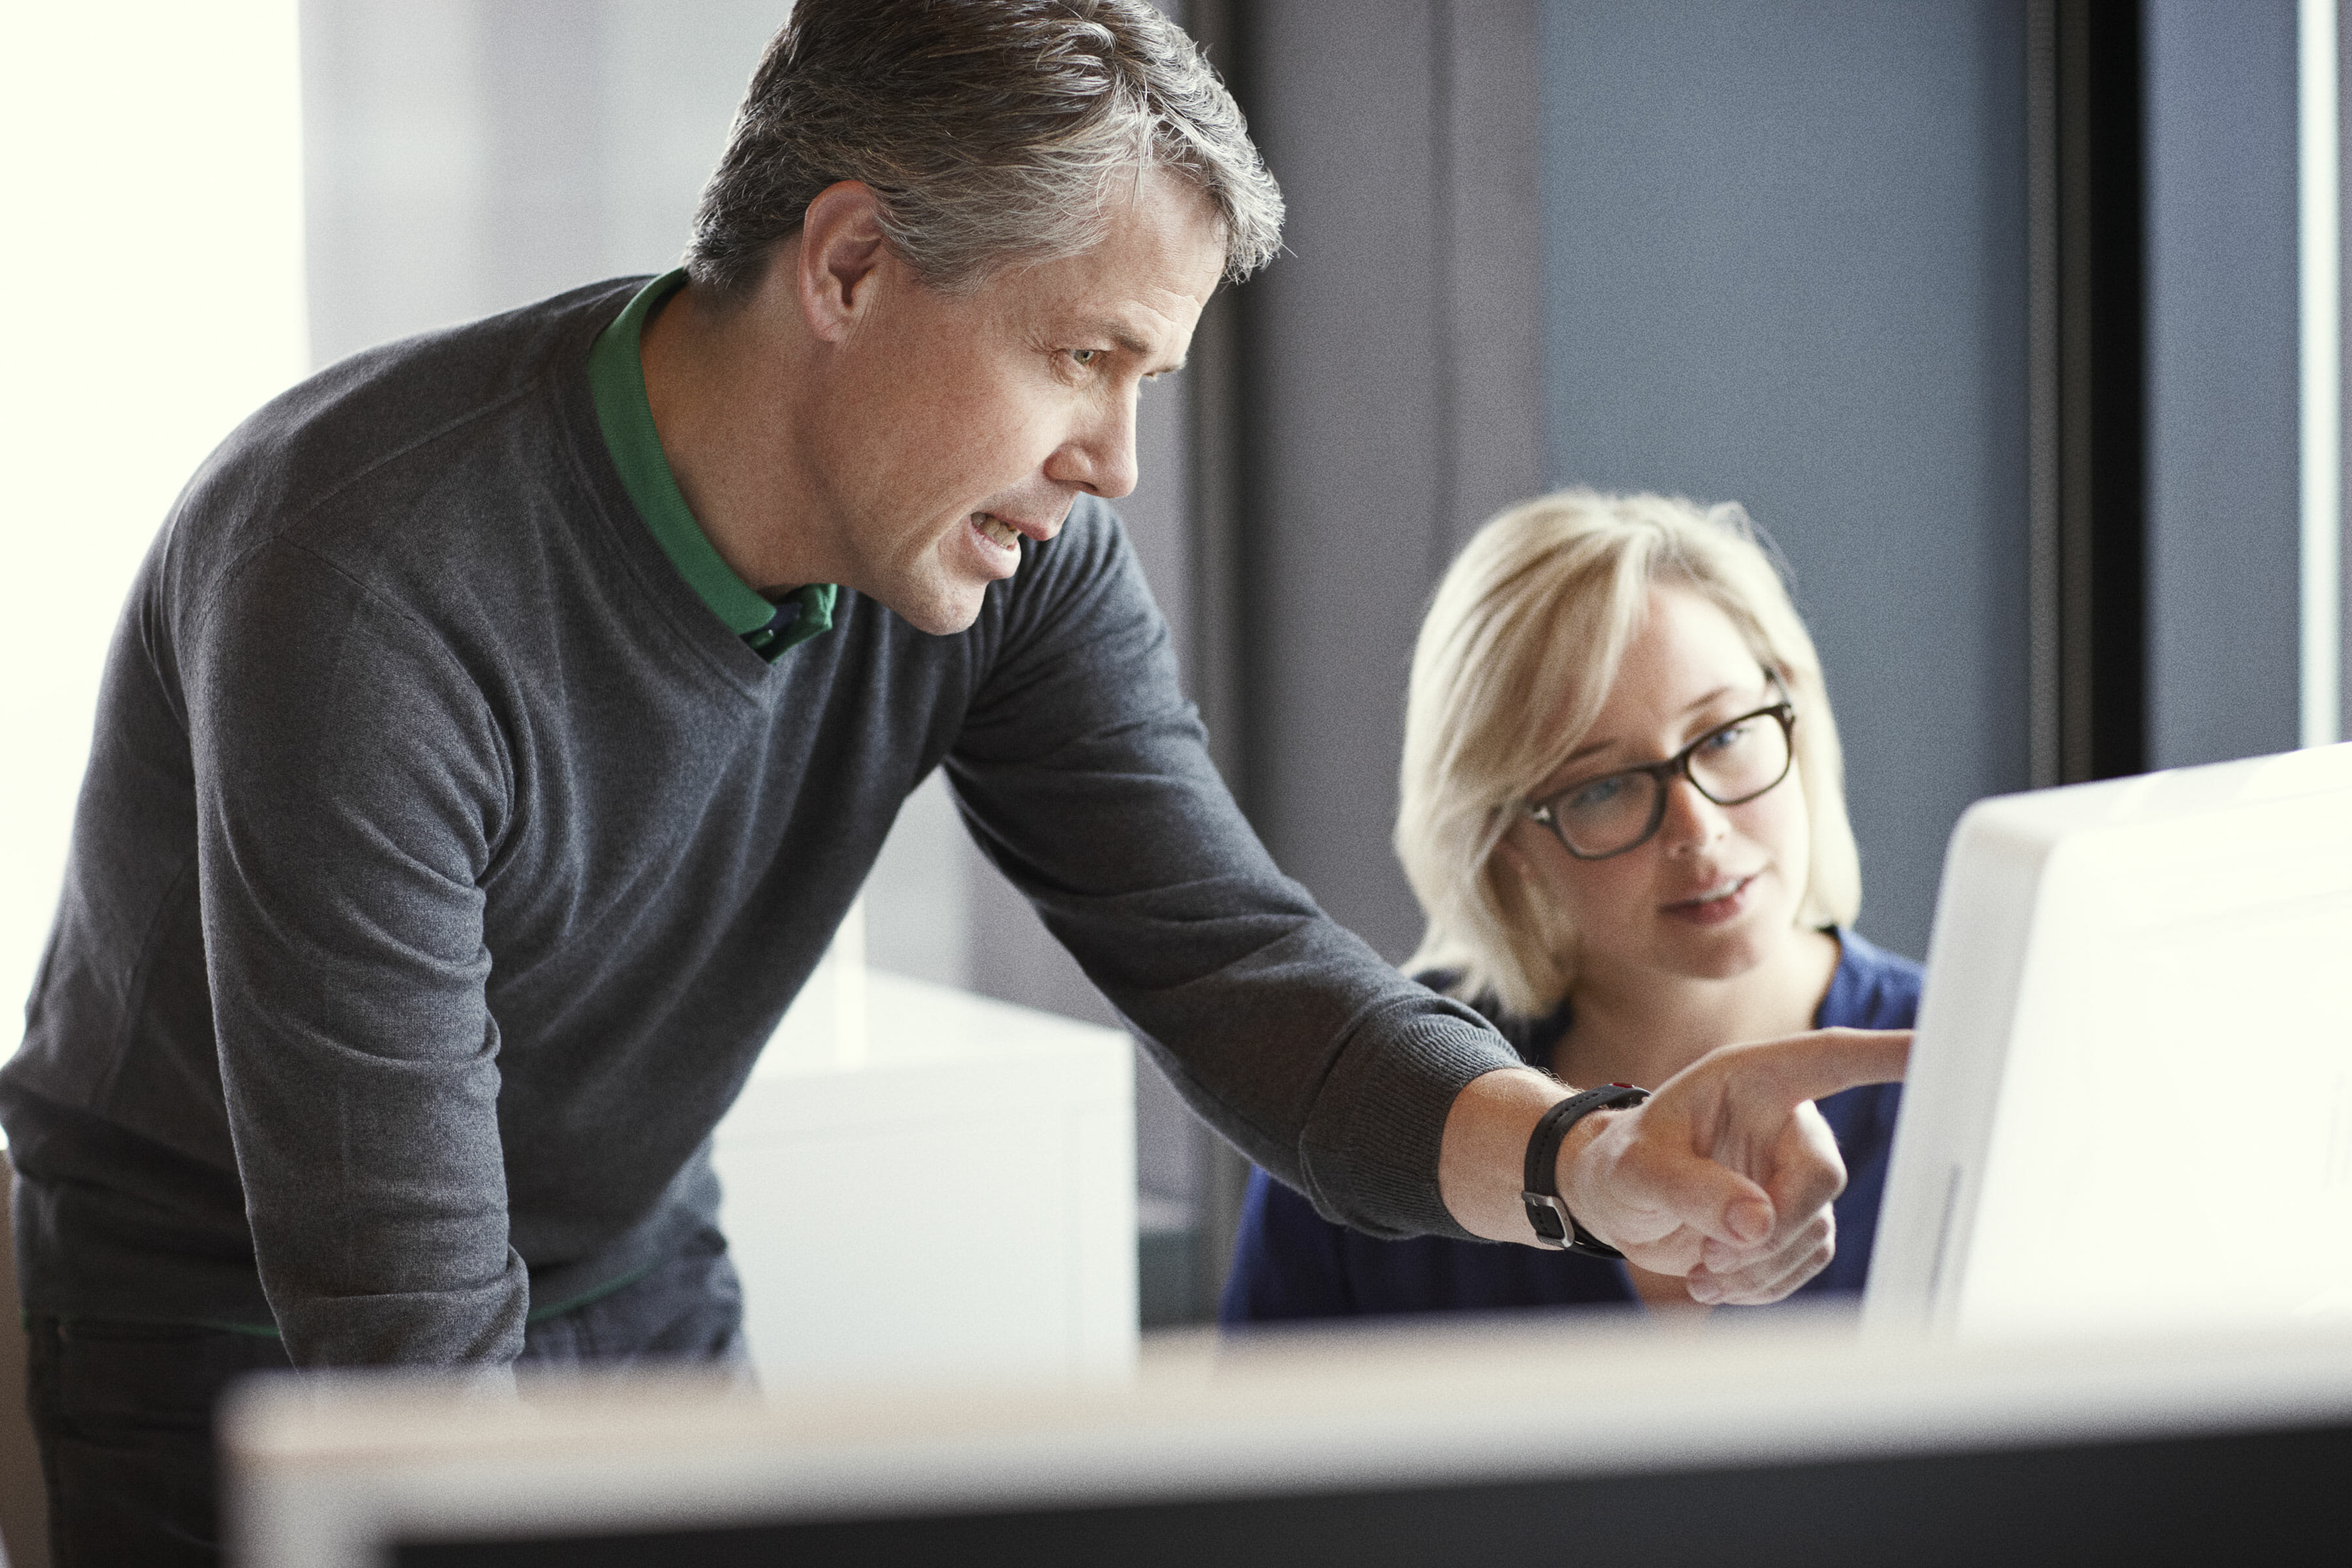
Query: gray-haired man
[(505, 719)]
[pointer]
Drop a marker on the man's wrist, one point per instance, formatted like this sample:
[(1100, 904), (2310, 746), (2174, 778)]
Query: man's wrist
[(1481, 1162), (1574, 1176), (1482, 1165)]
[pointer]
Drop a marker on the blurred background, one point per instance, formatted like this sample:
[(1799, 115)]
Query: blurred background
[(2014, 322)]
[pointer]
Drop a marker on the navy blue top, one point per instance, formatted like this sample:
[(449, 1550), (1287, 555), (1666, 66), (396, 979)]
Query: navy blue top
[(1291, 1262)]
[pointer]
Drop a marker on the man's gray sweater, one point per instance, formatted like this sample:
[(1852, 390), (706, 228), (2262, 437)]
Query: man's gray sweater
[(443, 862)]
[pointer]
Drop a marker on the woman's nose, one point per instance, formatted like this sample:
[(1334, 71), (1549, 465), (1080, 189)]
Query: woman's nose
[(1693, 822)]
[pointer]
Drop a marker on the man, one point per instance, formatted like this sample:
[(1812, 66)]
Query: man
[(504, 720)]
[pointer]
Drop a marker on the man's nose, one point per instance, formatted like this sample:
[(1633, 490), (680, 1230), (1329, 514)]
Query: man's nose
[(1099, 455)]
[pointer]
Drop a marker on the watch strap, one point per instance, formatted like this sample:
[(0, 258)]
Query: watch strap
[(1554, 1225)]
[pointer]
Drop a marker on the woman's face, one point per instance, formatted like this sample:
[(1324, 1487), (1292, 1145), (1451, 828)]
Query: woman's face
[(1715, 893)]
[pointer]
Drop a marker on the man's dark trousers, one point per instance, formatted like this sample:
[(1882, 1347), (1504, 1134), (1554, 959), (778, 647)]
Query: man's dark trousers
[(123, 1412)]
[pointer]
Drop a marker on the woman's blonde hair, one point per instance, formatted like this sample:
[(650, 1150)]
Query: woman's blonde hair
[(1514, 663)]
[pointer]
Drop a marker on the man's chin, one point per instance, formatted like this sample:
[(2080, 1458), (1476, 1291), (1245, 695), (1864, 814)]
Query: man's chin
[(940, 614)]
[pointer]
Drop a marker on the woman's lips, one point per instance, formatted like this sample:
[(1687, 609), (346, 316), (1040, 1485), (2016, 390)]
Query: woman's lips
[(1724, 901)]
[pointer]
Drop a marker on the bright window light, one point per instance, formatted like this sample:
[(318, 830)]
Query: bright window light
[(154, 264), (2321, 243)]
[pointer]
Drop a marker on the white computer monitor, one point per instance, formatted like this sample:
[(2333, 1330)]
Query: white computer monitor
[(2130, 1102)]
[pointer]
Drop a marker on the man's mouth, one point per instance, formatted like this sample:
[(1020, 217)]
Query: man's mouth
[(997, 531)]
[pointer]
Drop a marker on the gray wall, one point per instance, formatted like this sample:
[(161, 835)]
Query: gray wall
[(2222, 331), (1785, 265), (1389, 395), (1771, 254)]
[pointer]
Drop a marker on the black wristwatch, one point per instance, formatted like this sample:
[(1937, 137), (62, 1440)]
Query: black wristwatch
[(1555, 1226)]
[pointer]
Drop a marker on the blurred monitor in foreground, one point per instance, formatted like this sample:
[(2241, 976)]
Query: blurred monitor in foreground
[(2130, 1107), (1760, 1441)]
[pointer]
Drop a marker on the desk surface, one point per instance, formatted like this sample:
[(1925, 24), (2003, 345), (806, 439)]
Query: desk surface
[(1476, 1404)]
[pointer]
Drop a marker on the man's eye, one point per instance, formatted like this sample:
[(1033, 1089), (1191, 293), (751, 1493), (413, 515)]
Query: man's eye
[(1086, 356)]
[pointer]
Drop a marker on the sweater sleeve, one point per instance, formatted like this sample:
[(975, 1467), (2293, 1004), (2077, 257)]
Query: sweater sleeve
[(1084, 774), (351, 789)]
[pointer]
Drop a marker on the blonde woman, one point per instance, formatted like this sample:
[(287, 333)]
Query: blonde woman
[(1623, 815)]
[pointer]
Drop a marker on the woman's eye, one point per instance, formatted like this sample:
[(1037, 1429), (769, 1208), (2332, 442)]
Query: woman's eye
[(1730, 735), (1596, 795)]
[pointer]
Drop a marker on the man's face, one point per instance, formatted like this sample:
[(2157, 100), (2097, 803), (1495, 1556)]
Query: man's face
[(960, 423)]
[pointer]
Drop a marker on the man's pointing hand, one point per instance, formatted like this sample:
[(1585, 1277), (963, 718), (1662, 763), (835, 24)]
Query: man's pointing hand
[(1724, 1177), (1726, 1173)]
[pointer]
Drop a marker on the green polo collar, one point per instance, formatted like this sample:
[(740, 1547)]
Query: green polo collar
[(616, 377)]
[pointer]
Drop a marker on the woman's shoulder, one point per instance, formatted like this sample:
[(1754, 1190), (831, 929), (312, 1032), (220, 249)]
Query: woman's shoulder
[(1872, 988)]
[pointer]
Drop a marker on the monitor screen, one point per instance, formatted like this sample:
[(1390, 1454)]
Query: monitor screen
[(2186, 1498), (2131, 1101)]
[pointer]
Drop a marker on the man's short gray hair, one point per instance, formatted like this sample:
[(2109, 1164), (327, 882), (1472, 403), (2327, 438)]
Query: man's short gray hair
[(992, 131)]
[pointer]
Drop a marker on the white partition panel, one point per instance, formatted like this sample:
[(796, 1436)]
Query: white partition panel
[(921, 1184)]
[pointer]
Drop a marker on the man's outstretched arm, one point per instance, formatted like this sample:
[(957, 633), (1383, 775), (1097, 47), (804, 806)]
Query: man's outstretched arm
[(1085, 775)]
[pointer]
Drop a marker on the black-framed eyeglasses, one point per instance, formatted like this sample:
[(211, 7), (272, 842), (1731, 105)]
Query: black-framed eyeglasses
[(1730, 764)]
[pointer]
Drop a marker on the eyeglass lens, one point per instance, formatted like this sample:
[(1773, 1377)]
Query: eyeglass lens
[(1737, 763)]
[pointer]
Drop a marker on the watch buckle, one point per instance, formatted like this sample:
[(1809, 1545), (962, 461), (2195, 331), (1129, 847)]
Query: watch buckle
[(1549, 1218)]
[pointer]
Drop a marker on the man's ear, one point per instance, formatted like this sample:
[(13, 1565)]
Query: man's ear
[(842, 249)]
